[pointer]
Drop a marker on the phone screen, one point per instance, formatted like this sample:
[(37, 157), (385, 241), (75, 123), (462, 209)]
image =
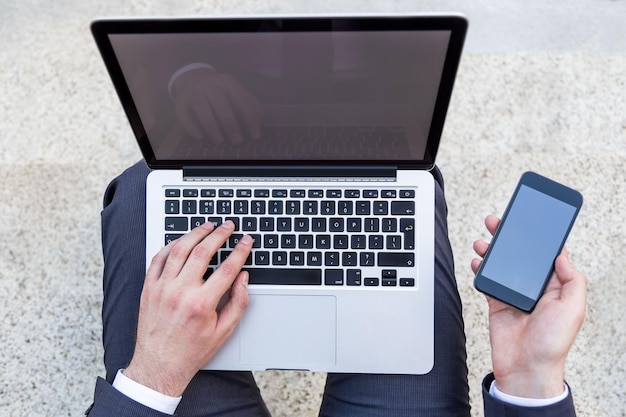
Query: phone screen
[(528, 241)]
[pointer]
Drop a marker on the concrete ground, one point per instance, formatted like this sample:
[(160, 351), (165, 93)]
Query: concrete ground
[(542, 86)]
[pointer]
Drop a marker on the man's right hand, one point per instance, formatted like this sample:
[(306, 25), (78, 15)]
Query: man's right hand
[(179, 328)]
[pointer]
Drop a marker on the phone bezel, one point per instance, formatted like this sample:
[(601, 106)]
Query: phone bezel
[(553, 189)]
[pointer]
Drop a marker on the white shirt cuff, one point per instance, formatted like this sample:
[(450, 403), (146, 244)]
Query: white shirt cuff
[(144, 395), (526, 402)]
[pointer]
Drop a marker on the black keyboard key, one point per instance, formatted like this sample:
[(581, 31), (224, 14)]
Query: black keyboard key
[(190, 193), (279, 193), (293, 207), (318, 225), (333, 193), (389, 225), (331, 259), (352, 193), (407, 282), (279, 258), (266, 224), (388, 193), (301, 224), (372, 224), (336, 225), (371, 282), (207, 193), (340, 242), (296, 258), (224, 207), (197, 221), (363, 208), (244, 193), (314, 259), (367, 259), (262, 257), (375, 242), (394, 242), (381, 208), (390, 282), (297, 193), (345, 208), (349, 259), (226, 193), (257, 207), (407, 193), (170, 237), (216, 221), (275, 207), (396, 259), (283, 224), (353, 277), (403, 208), (333, 277), (249, 224), (322, 242), (261, 193), (241, 207), (288, 241), (285, 276), (407, 227), (176, 224), (270, 241), (207, 206), (172, 207), (190, 206), (316, 193), (305, 242), (309, 207), (370, 193), (172, 193), (327, 208), (358, 242)]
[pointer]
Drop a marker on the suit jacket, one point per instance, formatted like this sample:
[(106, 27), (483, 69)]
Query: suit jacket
[(109, 402)]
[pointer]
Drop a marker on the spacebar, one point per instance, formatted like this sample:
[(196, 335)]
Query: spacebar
[(285, 276)]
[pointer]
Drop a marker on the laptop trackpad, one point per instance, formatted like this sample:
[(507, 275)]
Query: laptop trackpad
[(289, 331)]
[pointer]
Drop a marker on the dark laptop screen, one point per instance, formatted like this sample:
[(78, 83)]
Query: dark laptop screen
[(283, 90)]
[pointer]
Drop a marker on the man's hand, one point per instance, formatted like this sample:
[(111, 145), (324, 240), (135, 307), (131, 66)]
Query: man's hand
[(179, 327), (528, 351), (216, 107)]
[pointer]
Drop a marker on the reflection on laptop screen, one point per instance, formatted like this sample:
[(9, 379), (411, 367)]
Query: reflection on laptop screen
[(335, 95)]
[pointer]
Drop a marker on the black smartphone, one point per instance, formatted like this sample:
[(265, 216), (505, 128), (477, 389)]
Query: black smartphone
[(531, 234)]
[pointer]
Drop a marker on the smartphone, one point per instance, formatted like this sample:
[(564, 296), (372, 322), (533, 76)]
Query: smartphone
[(531, 234)]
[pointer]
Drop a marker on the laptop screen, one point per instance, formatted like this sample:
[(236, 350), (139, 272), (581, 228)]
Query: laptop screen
[(278, 91)]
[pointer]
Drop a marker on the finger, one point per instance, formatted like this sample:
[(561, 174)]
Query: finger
[(480, 247), (475, 264), (574, 283), (222, 279), (202, 253), (182, 247), (492, 222), (233, 310)]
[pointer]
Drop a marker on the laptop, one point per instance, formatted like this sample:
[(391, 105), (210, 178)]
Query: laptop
[(315, 135)]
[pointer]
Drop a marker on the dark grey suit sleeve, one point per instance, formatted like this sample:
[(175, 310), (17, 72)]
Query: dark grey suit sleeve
[(110, 402), (497, 408)]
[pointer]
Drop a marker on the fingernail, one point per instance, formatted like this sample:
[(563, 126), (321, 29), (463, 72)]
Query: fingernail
[(246, 240), (245, 279)]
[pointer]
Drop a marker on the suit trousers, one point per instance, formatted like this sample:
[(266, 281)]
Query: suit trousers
[(442, 392)]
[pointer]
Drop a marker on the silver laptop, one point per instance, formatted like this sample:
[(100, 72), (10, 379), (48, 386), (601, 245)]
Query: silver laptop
[(315, 135)]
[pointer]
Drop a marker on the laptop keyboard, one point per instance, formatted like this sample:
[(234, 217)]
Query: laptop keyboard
[(357, 237)]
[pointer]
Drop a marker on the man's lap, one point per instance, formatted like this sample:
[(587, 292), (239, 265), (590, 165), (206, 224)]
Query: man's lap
[(444, 388)]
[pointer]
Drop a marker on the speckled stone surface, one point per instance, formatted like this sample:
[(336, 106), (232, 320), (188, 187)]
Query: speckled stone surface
[(547, 94)]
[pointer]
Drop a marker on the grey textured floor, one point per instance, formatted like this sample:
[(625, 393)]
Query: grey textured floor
[(541, 86)]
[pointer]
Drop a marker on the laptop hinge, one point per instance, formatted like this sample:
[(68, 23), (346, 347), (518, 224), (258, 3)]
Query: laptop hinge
[(290, 173)]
